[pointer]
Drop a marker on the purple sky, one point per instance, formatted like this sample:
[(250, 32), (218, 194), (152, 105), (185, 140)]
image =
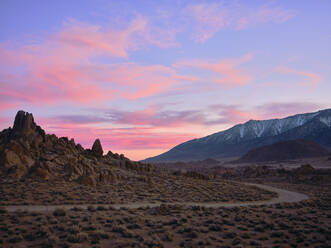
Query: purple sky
[(144, 76)]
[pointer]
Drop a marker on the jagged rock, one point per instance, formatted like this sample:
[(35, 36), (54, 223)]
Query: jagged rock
[(41, 170), (21, 171), (74, 171), (106, 177), (88, 180), (24, 122), (28, 161), (48, 156), (97, 148), (24, 125), (79, 148), (25, 150), (11, 159)]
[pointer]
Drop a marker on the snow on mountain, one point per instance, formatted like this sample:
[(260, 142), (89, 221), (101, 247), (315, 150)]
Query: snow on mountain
[(240, 138), (261, 128)]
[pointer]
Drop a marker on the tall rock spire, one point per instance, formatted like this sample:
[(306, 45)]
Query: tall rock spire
[(24, 125), (24, 122), (97, 148)]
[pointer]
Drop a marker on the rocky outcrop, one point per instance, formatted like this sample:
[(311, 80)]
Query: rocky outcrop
[(97, 148), (27, 151)]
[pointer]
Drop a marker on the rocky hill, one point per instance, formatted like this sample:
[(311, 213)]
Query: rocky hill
[(41, 169), (285, 150), (27, 151), (241, 138)]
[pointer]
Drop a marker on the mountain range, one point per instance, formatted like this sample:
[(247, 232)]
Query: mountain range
[(241, 138)]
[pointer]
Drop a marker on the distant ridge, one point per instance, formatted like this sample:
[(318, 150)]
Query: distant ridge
[(241, 138), (285, 150)]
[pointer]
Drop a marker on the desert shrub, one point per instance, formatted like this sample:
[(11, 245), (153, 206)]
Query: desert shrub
[(76, 209), (122, 230), (215, 228), (230, 235), (59, 212), (3, 210), (101, 208), (192, 235), (15, 239), (77, 237), (89, 228), (168, 237), (236, 241), (91, 208), (97, 236)]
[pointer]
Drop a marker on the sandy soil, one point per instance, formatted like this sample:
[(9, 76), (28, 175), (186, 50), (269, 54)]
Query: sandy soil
[(282, 196), (296, 224)]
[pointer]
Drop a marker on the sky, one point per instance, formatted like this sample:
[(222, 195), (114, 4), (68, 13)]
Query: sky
[(144, 76)]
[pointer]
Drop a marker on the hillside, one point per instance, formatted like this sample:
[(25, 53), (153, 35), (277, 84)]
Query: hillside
[(285, 150), (241, 138)]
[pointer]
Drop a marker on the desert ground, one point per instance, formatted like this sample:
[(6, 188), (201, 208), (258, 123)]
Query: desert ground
[(301, 224), (306, 223)]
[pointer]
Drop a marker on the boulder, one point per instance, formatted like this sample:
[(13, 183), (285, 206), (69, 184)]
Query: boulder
[(11, 159), (97, 148), (88, 180), (41, 170)]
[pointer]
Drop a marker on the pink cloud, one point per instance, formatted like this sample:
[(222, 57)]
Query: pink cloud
[(209, 18), (227, 71), (268, 13), (312, 77), (62, 67)]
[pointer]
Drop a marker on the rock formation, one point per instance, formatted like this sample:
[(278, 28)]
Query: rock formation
[(27, 151), (97, 148)]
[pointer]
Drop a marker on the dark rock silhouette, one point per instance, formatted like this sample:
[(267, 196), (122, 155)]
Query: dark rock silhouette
[(27, 151), (24, 125), (97, 148)]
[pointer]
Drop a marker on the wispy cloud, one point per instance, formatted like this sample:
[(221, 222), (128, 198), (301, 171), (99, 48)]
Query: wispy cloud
[(313, 78), (65, 66), (209, 18), (227, 71)]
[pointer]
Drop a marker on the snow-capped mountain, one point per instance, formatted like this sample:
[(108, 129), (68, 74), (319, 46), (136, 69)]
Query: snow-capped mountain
[(243, 137)]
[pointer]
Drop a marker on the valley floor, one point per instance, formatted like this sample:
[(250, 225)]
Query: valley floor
[(298, 224), (134, 188)]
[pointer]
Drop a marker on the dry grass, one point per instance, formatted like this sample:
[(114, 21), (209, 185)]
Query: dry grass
[(305, 224)]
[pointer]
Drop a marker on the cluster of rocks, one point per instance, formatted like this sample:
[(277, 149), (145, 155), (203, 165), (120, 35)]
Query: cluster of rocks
[(27, 151), (194, 174)]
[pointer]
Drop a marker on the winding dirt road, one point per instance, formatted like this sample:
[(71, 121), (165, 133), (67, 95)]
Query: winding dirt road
[(283, 196)]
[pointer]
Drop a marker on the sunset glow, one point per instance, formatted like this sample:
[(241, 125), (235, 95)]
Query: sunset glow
[(144, 76)]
